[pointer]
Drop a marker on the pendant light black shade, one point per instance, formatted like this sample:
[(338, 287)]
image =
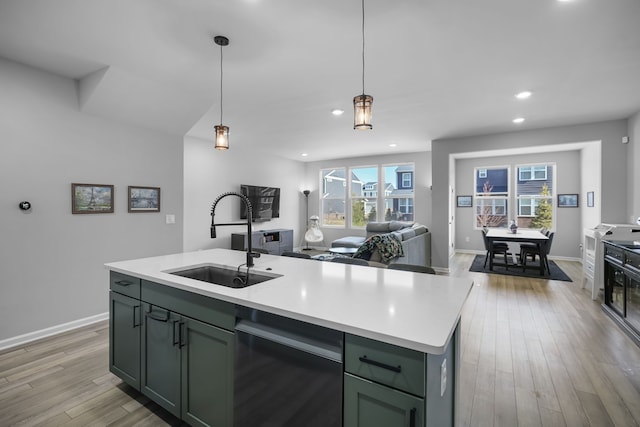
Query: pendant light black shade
[(222, 132), (362, 104)]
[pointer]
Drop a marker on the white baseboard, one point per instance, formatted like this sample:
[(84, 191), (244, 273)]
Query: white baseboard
[(54, 330)]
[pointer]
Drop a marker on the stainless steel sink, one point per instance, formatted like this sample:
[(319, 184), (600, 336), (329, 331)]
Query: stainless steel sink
[(230, 278)]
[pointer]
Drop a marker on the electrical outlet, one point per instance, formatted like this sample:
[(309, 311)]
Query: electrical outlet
[(467, 239), (443, 377)]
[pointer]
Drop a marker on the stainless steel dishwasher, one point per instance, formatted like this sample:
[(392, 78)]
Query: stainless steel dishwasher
[(287, 372)]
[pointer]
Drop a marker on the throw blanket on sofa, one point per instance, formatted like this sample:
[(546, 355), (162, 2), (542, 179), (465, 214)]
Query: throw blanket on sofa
[(388, 246)]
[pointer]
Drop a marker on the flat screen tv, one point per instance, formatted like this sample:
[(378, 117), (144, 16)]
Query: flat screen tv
[(265, 202)]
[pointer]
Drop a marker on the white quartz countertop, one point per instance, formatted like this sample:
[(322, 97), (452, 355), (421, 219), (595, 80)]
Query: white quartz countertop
[(412, 310)]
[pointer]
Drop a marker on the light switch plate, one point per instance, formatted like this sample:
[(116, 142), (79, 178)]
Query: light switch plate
[(171, 219)]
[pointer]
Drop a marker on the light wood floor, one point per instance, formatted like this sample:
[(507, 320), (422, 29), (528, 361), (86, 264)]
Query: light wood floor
[(535, 353)]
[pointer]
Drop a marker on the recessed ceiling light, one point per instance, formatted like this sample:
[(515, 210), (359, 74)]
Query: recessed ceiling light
[(523, 95), (304, 154), (337, 112), (518, 120), (393, 145)]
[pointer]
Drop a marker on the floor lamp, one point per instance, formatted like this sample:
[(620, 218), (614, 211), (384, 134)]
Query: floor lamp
[(306, 195)]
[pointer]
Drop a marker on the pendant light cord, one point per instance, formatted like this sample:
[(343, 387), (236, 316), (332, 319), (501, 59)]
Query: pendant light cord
[(220, 84), (363, 47)]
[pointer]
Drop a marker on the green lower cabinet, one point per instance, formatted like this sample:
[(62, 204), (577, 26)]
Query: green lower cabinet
[(367, 404), (161, 357), (187, 367), (207, 374), (124, 338)]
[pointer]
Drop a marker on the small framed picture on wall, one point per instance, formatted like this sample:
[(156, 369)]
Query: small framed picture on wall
[(590, 202), (91, 198), (465, 201), (144, 199), (567, 200)]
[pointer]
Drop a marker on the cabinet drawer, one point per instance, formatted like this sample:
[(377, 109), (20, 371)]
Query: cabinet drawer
[(124, 284), (633, 260), (205, 309), (367, 404), (386, 364), (612, 252)]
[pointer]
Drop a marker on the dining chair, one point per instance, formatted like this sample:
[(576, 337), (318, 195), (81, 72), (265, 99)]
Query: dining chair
[(542, 249), (354, 261), (296, 255), (532, 246), (495, 248), (411, 267)]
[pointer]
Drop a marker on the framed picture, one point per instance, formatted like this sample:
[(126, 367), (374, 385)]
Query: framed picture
[(567, 200), (91, 198), (465, 201), (590, 199), (144, 199)]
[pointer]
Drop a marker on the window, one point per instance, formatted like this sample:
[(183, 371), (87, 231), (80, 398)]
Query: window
[(398, 192), (534, 194), (532, 199), (491, 193), (363, 205), (333, 196), (358, 195), (532, 173), (406, 180)]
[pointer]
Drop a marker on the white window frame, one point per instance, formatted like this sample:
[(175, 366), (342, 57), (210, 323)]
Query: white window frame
[(323, 197), (407, 179), (495, 200), (532, 170)]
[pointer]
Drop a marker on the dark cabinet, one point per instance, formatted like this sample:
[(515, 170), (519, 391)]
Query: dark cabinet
[(124, 336), (367, 404), (187, 367), (161, 357), (274, 241), (622, 288)]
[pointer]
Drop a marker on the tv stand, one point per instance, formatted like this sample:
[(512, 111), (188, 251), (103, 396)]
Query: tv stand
[(274, 241)]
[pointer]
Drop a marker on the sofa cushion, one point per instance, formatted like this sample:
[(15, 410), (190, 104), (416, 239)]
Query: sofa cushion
[(406, 233), (348, 242), (419, 229)]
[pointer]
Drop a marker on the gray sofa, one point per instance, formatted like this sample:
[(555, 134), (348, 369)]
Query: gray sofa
[(415, 239)]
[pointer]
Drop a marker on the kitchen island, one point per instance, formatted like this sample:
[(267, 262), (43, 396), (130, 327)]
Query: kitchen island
[(381, 312)]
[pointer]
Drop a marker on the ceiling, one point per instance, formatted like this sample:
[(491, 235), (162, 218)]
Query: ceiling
[(436, 68)]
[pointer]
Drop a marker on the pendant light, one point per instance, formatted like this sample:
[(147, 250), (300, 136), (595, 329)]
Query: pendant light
[(222, 132), (362, 103)]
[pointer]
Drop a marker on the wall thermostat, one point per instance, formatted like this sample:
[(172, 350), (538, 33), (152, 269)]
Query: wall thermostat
[(25, 206)]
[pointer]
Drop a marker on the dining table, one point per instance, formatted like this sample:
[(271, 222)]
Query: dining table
[(521, 235)]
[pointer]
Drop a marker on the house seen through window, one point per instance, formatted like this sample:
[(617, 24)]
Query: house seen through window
[(375, 193), (531, 194)]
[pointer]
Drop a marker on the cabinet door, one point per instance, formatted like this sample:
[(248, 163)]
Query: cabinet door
[(124, 338), (367, 404), (633, 302), (161, 357), (207, 374)]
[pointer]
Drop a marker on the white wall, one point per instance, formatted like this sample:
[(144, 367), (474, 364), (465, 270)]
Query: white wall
[(613, 161), (51, 262), (422, 198), (568, 235), (209, 173), (633, 165)]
